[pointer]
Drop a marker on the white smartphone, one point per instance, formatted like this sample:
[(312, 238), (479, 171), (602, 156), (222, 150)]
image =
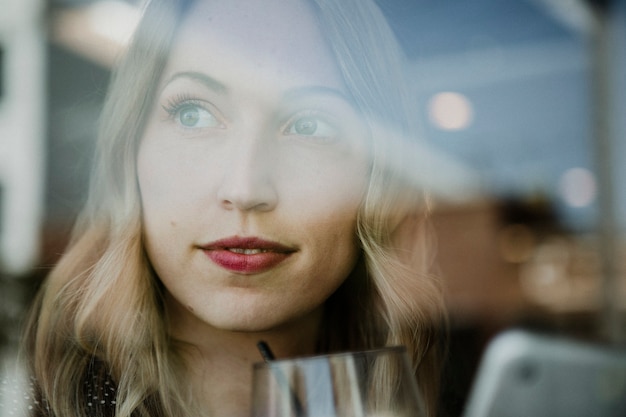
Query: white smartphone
[(524, 374)]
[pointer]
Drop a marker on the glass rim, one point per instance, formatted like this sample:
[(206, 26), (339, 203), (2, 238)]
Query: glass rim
[(339, 354)]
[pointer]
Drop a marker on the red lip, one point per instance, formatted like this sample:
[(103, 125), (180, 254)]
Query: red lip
[(224, 253)]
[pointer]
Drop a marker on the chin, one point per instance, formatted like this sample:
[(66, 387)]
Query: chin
[(248, 326), (255, 321), (238, 318)]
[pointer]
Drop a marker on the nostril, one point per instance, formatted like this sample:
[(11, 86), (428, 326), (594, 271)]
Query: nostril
[(247, 182), (257, 199)]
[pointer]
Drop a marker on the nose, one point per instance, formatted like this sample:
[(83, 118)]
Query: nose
[(248, 178)]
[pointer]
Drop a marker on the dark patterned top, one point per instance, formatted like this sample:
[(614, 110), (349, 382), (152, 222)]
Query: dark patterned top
[(100, 394), (19, 397)]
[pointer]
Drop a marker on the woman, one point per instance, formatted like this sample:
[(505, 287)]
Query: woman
[(250, 183)]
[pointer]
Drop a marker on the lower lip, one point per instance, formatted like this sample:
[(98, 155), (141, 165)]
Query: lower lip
[(249, 264)]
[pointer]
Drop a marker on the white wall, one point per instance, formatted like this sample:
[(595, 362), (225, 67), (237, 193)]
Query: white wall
[(22, 133)]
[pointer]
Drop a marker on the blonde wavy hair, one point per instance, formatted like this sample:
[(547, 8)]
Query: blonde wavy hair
[(102, 303)]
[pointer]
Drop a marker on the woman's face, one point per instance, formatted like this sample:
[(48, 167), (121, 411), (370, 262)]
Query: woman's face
[(252, 168)]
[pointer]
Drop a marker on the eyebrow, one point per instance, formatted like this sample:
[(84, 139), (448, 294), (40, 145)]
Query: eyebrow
[(318, 90), (292, 94), (202, 78)]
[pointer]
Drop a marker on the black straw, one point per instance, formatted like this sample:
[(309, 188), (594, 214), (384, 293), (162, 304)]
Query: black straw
[(268, 356), (265, 350)]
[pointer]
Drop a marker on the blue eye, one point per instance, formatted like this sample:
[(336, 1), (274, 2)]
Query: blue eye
[(194, 116), (190, 114), (311, 126)]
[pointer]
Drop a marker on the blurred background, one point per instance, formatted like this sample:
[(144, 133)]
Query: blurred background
[(525, 100)]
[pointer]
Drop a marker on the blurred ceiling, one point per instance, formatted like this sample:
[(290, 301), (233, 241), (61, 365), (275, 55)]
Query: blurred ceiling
[(522, 70), (504, 87)]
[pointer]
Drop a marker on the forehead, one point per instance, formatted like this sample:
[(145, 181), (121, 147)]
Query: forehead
[(252, 40)]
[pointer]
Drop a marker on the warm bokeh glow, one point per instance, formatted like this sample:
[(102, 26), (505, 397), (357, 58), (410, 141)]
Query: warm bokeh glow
[(450, 111)]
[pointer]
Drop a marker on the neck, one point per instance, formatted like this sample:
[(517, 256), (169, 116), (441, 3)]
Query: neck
[(219, 362)]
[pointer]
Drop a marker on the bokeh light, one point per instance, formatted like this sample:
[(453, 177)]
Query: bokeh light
[(450, 111), (577, 187)]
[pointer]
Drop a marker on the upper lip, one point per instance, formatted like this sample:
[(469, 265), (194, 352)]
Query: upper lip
[(237, 242)]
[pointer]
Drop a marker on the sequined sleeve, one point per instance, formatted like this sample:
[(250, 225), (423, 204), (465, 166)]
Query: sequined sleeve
[(99, 392), (20, 396)]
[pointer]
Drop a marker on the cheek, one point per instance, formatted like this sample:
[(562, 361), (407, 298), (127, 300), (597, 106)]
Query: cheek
[(152, 179), (158, 175), (161, 193), (168, 180), (335, 182), (327, 206), (330, 224)]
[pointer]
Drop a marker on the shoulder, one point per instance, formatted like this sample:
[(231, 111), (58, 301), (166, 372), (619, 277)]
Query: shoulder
[(19, 397)]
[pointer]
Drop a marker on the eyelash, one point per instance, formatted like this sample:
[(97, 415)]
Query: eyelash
[(314, 114), (176, 104)]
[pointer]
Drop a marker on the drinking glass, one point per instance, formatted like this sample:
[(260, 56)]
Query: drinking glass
[(370, 383)]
